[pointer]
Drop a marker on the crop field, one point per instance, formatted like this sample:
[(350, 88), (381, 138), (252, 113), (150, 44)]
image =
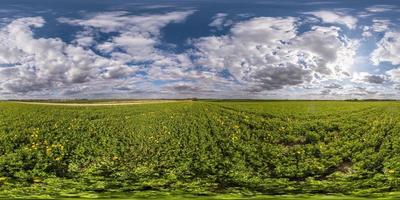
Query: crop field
[(203, 148)]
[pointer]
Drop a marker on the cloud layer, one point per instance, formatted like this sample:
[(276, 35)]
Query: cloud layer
[(119, 54), (267, 53)]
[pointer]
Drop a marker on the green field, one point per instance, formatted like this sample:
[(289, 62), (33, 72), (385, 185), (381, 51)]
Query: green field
[(201, 149)]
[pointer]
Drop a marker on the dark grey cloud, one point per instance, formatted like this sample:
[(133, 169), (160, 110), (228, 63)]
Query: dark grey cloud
[(333, 86), (184, 88), (326, 92), (277, 78), (377, 79), (362, 91)]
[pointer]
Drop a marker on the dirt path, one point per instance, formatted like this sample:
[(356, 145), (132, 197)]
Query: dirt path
[(110, 103)]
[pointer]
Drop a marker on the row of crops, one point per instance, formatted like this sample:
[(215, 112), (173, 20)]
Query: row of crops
[(202, 146)]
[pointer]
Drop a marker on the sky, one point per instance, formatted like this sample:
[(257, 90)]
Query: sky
[(286, 49)]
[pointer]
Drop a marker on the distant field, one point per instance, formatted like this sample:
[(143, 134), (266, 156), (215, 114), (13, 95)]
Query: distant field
[(95, 102), (200, 147)]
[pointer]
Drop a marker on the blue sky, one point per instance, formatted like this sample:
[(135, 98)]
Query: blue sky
[(207, 49)]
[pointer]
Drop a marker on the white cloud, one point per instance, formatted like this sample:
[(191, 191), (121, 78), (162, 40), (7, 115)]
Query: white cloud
[(40, 64), (138, 35), (243, 49), (388, 49), (258, 57), (380, 8), (378, 26), (220, 21), (267, 53), (376, 10), (122, 21), (366, 31), (37, 65), (394, 74), (335, 17), (381, 25)]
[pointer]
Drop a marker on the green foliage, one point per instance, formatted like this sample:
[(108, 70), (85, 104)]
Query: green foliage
[(276, 147)]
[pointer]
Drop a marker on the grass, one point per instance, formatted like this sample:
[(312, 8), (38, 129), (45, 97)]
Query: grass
[(169, 196), (187, 149), (183, 196)]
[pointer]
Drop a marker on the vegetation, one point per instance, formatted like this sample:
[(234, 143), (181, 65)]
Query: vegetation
[(201, 147)]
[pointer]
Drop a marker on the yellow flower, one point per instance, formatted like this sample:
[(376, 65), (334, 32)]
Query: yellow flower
[(37, 180)]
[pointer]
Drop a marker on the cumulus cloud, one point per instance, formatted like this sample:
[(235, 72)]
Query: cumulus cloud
[(388, 49), (377, 79), (335, 17), (268, 53), (394, 74), (40, 64), (381, 25), (363, 91), (220, 21), (333, 86), (120, 54), (326, 92), (43, 63), (365, 77), (183, 88), (137, 35), (366, 31), (378, 26)]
